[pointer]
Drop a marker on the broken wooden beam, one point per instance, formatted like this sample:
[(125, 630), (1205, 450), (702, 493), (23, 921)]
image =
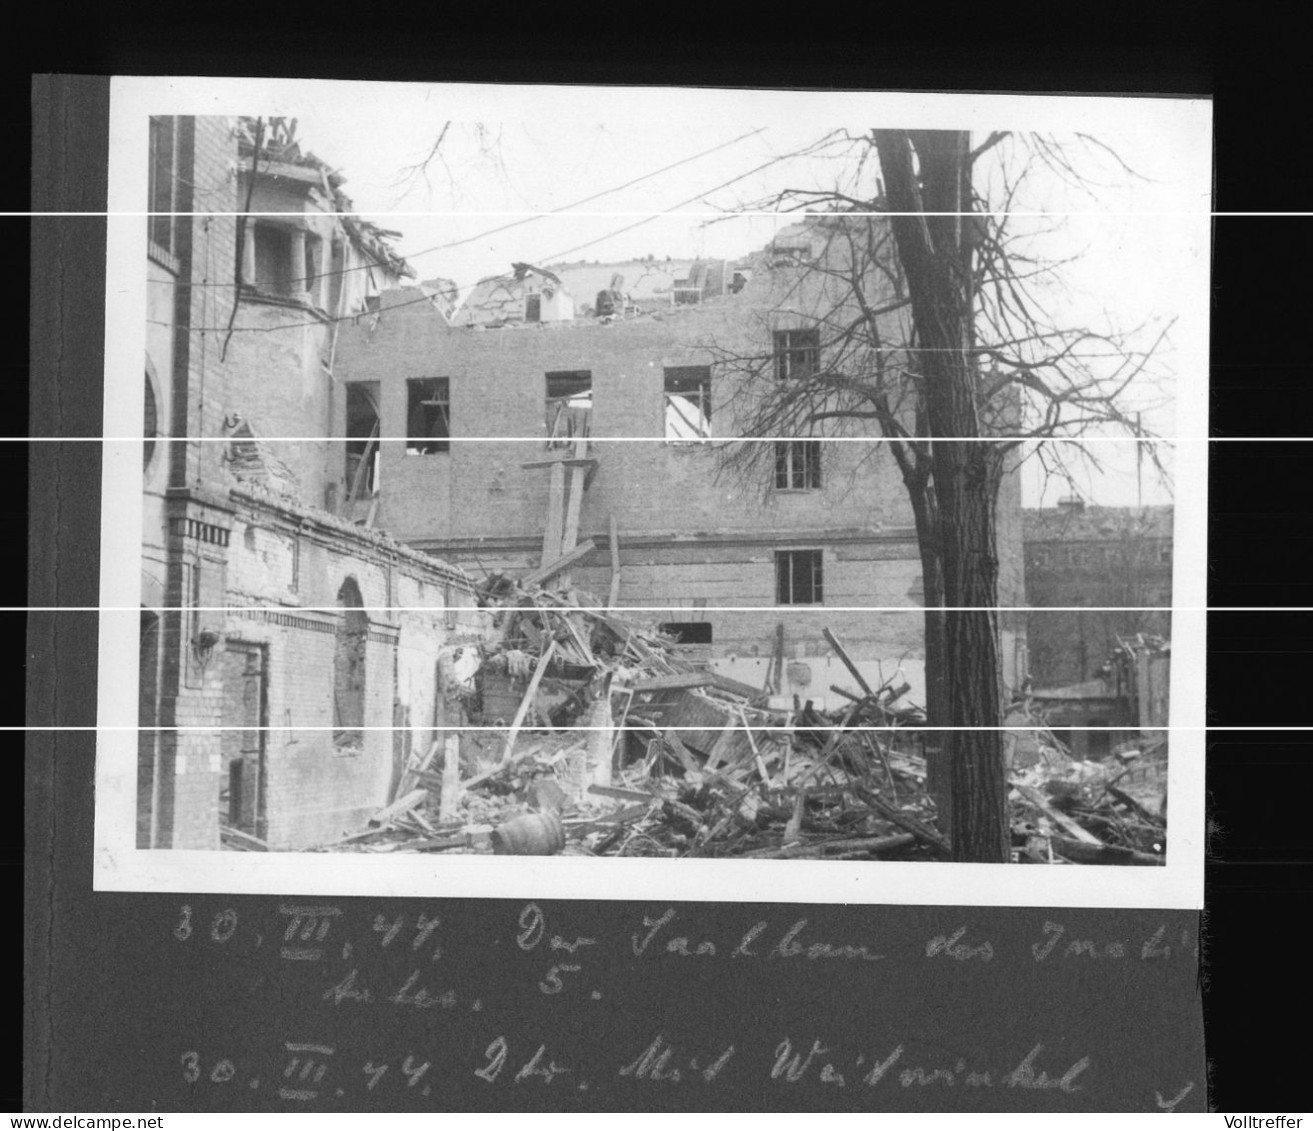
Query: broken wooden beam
[(551, 569), (555, 514), (1082, 852), (1065, 823), (623, 794), (833, 641), (526, 702), (682, 752), (926, 836), (613, 596), (590, 461), (734, 687), (680, 681), (575, 499), (403, 805), (860, 845), (449, 798)]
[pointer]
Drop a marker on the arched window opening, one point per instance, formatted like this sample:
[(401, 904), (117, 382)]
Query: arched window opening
[(150, 424), (349, 669)]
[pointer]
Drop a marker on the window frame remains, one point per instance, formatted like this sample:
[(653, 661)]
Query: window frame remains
[(566, 417), (799, 577), (798, 465), (678, 381), (273, 274), (431, 398), (363, 432), (797, 354)]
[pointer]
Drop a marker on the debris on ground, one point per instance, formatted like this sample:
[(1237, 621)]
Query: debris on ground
[(586, 732)]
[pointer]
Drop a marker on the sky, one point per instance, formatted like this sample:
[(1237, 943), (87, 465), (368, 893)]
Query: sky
[(618, 173)]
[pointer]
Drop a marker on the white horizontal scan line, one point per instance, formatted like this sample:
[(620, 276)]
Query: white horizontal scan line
[(681, 443), (602, 610), (197, 729), (127, 214)]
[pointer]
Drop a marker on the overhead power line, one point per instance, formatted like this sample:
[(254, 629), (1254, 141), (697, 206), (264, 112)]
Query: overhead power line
[(553, 256), (526, 219)]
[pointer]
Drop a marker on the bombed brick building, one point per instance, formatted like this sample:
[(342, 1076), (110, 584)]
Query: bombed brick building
[(275, 633), (509, 440)]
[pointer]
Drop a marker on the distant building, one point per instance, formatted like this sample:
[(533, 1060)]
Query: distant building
[(527, 295), (1125, 703), (1090, 559)]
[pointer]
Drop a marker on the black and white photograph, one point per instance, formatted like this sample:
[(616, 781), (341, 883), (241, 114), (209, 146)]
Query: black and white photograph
[(654, 492)]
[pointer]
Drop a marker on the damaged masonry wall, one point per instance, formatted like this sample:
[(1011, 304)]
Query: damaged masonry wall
[(320, 782), (689, 541), (260, 609)]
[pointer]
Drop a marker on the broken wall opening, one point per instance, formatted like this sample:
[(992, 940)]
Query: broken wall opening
[(687, 632), (428, 416), (349, 669), (273, 259), (362, 433), (243, 782), (569, 406), (688, 402)]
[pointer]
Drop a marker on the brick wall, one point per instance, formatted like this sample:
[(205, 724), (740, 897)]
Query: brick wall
[(278, 385), (687, 532), (288, 567)]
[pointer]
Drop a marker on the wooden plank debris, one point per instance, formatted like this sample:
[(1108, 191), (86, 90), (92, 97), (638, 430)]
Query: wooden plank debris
[(555, 515), (551, 569), (613, 596), (703, 765), (1065, 823), (833, 641), (411, 800)]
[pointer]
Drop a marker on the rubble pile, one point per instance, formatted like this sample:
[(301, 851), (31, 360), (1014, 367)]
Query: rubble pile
[(1112, 811), (586, 732)]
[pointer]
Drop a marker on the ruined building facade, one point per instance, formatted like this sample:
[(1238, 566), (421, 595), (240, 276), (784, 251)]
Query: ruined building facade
[(1105, 572), (504, 447), (262, 607)]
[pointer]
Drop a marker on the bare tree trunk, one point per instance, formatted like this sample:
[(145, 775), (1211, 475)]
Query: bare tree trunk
[(926, 517), (965, 475)]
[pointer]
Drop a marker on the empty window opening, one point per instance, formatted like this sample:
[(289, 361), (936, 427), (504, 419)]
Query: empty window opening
[(533, 308), (797, 354), (337, 266), (688, 402), (163, 183), (242, 738), (688, 632), (349, 669), (797, 465), (362, 432), (798, 577), (273, 260), (569, 406), (313, 268), (150, 424), (428, 416)]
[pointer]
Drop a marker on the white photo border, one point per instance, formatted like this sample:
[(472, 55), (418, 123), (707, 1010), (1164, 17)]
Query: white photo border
[(120, 866)]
